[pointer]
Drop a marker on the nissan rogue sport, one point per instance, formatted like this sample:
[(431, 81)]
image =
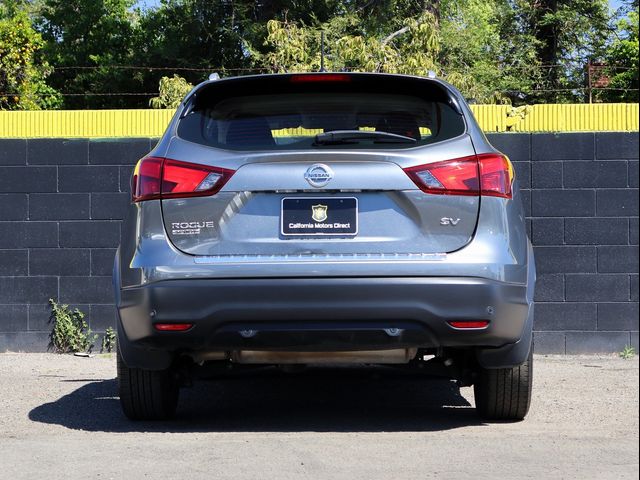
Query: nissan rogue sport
[(324, 219)]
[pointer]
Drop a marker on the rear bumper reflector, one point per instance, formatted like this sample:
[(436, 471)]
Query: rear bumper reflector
[(173, 327), (463, 324)]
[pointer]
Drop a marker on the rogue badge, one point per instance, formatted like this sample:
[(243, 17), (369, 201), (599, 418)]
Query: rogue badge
[(319, 213)]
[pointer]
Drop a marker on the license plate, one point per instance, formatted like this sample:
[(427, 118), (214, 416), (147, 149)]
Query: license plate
[(321, 216)]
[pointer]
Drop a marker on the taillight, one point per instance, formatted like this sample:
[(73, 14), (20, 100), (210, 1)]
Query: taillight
[(156, 177), (450, 177), (496, 175), (147, 178), (484, 174)]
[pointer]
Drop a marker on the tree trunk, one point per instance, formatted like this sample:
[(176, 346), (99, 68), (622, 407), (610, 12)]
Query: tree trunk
[(547, 34)]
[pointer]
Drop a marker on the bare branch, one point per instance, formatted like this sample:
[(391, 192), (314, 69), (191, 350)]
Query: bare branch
[(394, 35)]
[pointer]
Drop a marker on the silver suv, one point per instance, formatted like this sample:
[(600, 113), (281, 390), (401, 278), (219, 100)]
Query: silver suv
[(324, 218)]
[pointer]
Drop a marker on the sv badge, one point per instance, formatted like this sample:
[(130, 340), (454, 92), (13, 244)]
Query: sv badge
[(449, 221)]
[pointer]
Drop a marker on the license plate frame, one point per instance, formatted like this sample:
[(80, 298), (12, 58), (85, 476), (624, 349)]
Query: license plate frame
[(303, 217)]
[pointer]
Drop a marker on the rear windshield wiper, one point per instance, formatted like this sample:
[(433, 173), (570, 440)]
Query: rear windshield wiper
[(353, 136)]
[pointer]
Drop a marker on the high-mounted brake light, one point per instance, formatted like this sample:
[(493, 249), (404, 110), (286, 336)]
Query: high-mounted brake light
[(485, 174), (156, 177), (320, 77)]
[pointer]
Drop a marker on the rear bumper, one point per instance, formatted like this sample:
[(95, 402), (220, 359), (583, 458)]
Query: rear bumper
[(317, 314)]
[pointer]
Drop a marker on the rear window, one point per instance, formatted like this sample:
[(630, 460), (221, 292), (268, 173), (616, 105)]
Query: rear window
[(280, 113)]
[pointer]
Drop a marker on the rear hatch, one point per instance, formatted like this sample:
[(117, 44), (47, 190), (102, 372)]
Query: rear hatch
[(324, 165)]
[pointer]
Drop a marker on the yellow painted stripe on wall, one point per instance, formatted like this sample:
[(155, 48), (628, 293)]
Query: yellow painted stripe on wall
[(597, 117), (84, 123), (151, 123)]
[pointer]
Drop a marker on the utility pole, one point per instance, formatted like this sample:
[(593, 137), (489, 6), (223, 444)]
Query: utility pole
[(322, 69), (589, 90)]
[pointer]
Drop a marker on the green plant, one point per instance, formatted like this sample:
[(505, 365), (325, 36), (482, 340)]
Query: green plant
[(627, 352), (108, 340), (70, 332), (22, 70), (172, 91)]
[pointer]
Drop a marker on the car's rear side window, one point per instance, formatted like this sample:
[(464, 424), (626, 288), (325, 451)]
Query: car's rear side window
[(276, 114)]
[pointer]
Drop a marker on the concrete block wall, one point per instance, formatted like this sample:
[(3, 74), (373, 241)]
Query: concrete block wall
[(61, 205), (62, 201), (580, 192)]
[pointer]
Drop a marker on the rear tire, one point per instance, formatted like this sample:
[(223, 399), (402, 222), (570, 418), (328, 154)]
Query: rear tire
[(147, 394), (504, 393)]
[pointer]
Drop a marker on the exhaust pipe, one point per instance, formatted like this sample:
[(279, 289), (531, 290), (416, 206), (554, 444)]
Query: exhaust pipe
[(397, 356)]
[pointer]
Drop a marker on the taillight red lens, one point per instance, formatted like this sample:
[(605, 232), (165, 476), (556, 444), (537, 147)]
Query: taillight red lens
[(496, 175), (485, 174), (450, 177), (147, 178), (156, 177)]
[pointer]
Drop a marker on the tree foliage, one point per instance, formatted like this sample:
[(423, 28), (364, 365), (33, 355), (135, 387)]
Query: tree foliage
[(172, 91), (568, 33), (622, 57), (296, 48), (85, 40), (22, 70), (112, 54), (487, 52), (475, 45)]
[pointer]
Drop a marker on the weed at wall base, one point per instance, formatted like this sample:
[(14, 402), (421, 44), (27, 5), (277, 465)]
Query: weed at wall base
[(108, 340), (70, 332)]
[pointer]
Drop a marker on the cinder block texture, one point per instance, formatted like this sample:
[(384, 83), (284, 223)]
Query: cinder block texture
[(546, 174), (565, 203), (13, 152), (54, 151), (62, 202), (562, 146), (59, 206), (617, 145), (596, 231), (88, 178), (596, 342), (14, 206), (28, 179)]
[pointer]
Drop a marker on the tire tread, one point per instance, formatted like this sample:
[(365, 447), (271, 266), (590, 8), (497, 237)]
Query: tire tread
[(146, 394), (504, 393)]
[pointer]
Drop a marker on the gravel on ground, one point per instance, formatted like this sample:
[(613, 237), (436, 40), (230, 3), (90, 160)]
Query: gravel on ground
[(60, 418)]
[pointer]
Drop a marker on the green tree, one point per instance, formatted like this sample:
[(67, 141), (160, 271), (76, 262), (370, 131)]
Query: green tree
[(22, 70), (297, 48), (479, 46), (85, 39), (190, 38), (568, 33), (486, 50), (172, 91), (518, 51), (622, 58), (88, 40)]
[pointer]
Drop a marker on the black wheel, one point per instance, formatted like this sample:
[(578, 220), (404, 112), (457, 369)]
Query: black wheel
[(147, 394), (504, 393)]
